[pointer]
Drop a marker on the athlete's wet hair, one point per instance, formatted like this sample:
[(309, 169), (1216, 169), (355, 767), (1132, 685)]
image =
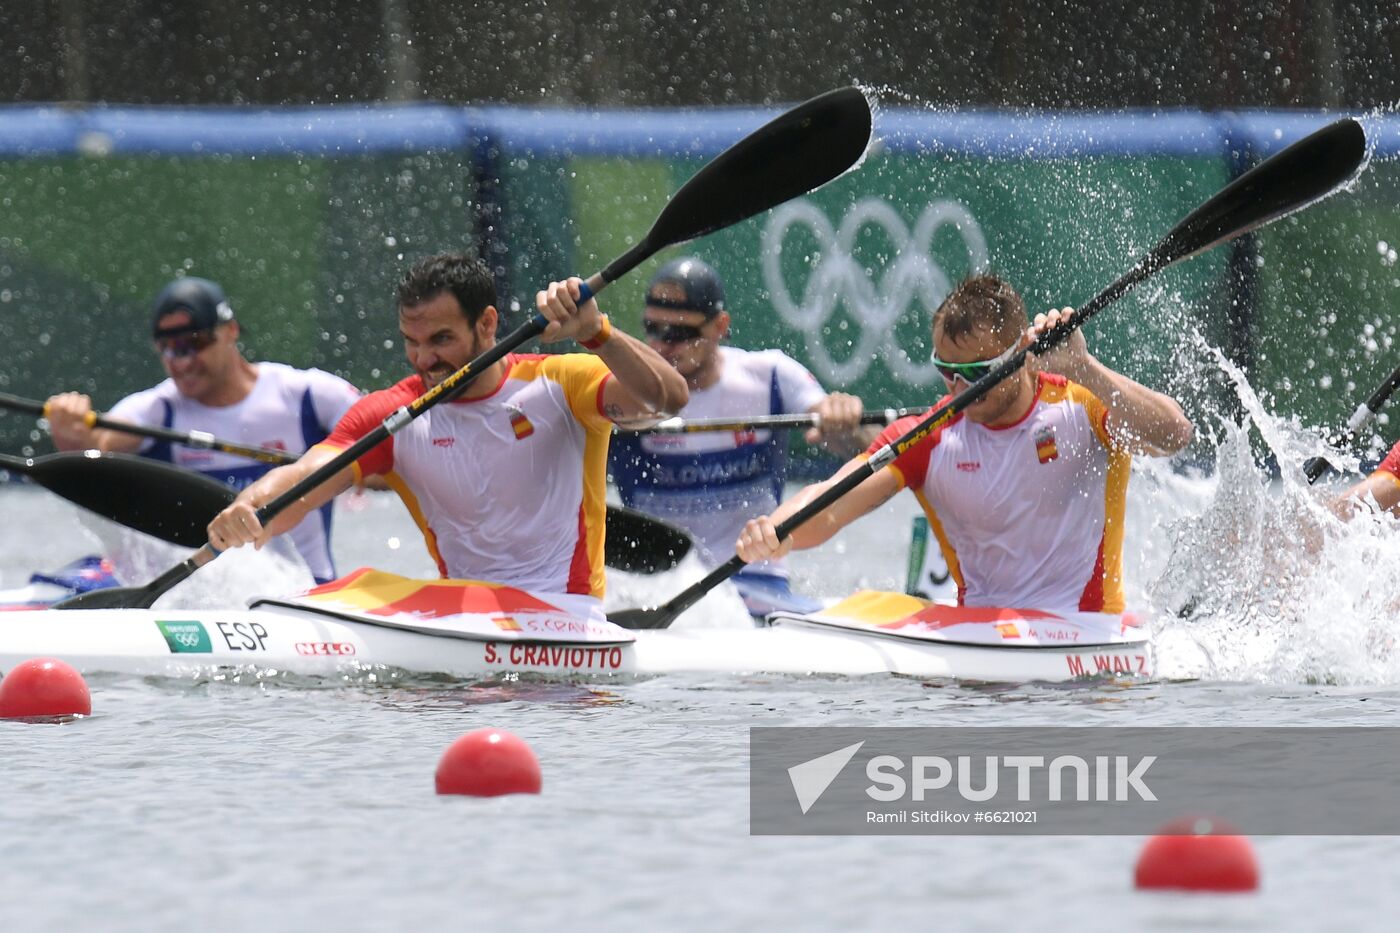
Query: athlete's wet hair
[(465, 276), (982, 302)]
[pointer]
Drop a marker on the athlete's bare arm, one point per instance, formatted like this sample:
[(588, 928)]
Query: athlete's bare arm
[(1381, 485), (759, 539), (643, 384), (68, 415), (1145, 421), (238, 524)]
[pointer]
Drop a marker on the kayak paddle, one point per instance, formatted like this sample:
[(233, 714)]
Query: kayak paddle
[(635, 542), (197, 439), (157, 498), (797, 152), (766, 422), (1314, 467), (638, 543), (1288, 181)]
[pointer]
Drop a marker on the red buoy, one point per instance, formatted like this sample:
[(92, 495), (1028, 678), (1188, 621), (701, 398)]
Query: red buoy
[(488, 763), (43, 688), (1197, 854)]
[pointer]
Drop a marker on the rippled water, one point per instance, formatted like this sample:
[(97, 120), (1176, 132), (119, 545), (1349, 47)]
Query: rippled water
[(242, 803)]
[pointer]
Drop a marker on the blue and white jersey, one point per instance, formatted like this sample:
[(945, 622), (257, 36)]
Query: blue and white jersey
[(289, 410), (711, 483)]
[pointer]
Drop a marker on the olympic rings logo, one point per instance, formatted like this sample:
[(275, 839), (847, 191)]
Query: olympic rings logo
[(877, 303)]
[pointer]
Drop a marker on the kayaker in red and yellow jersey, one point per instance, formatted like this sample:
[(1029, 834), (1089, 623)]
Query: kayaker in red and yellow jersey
[(1382, 487), (506, 482), (1025, 489)]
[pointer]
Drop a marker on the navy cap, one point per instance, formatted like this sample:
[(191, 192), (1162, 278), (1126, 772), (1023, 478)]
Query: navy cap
[(698, 285), (202, 299)]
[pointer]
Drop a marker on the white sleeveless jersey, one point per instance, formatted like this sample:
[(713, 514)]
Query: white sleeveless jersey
[(710, 483), (509, 488), (288, 409), (1030, 515)]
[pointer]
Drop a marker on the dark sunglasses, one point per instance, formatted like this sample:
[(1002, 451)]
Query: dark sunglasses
[(180, 346), (670, 333)]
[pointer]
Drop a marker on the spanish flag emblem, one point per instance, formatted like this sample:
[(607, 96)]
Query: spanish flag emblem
[(506, 623), (1045, 449), (520, 424), (1008, 630)]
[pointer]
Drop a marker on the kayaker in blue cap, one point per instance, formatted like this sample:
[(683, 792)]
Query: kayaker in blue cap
[(213, 388), (711, 483)]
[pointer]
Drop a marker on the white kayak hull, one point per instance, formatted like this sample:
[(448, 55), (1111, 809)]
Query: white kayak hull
[(151, 642), (328, 636), (138, 641), (983, 643)]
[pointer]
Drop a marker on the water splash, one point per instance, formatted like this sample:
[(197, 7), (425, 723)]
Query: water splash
[(1261, 581), (229, 581)]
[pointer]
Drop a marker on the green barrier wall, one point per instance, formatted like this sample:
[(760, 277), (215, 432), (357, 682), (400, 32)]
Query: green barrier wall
[(1329, 301), (308, 250)]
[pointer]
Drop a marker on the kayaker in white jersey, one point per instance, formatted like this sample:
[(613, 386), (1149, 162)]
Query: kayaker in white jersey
[(508, 481), (213, 388), (1025, 489), (710, 483)]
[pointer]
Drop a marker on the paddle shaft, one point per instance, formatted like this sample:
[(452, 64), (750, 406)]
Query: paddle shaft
[(197, 439), (766, 422), (22, 465), (1316, 466)]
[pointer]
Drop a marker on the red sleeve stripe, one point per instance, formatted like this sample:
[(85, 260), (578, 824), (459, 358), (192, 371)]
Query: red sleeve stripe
[(601, 386)]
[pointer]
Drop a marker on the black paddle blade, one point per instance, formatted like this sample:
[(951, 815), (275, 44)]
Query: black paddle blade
[(1290, 180), (117, 597), (789, 156), (643, 618), (638, 543), (1314, 467), (140, 597), (157, 498)]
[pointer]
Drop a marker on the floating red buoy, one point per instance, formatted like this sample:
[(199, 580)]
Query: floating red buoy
[(43, 688), (488, 763), (1197, 854)]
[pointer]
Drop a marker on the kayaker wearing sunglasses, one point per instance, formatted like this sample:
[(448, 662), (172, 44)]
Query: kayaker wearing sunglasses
[(212, 387), (711, 483), (1025, 489)]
